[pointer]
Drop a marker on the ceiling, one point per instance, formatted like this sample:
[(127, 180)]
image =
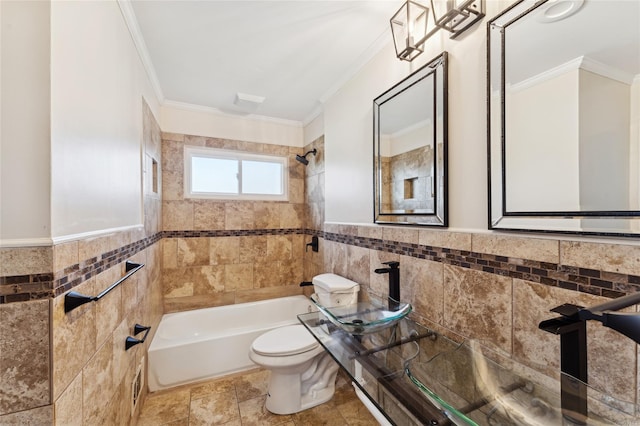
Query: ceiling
[(607, 32), (293, 53)]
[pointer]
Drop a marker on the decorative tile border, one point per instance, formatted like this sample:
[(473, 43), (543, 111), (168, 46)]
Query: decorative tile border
[(22, 288), (232, 233), (77, 274), (592, 281), (608, 284)]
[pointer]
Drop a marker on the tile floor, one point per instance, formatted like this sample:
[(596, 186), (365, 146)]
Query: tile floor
[(239, 401)]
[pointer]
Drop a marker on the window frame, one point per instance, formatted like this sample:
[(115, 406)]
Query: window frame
[(205, 152)]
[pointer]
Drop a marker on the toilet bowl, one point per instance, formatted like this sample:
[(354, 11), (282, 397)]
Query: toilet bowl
[(303, 374)]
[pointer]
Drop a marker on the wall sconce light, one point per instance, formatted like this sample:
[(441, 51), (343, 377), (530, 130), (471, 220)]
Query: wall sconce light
[(409, 30), (410, 25)]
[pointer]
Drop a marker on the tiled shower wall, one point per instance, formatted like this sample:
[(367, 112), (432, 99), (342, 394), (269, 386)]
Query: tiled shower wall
[(72, 369), (225, 252), (407, 181), (314, 204)]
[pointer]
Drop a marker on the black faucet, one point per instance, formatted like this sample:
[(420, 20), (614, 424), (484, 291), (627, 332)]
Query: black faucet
[(394, 282), (571, 326)]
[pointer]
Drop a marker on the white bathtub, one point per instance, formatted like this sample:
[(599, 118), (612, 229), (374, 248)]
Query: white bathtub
[(206, 343)]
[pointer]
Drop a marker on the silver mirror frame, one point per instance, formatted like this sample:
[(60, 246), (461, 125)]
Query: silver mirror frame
[(598, 223), (438, 67)]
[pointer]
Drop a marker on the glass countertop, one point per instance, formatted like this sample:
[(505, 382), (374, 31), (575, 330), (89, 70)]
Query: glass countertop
[(416, 376), (364, 318)]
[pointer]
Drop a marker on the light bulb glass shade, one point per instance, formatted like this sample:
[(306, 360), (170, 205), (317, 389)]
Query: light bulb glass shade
[(409, 29), (456, 16)]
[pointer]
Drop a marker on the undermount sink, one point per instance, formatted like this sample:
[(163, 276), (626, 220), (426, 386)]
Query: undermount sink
[(364, 317)]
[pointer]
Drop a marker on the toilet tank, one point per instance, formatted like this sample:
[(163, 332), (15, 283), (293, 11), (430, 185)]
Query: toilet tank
[(334, 290)]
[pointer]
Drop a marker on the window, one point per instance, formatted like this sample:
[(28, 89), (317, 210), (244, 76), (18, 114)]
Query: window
[(218, 173)]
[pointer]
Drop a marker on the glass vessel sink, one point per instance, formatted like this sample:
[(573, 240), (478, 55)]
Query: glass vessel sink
[(416, 376), (364, 318)]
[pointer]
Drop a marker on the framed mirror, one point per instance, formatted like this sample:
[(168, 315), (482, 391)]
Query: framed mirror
[(410, 149), (564, 117)]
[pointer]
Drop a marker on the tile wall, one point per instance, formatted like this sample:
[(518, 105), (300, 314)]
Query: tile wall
[(314, 205), (496, 289), (225, 252), (72, 369), (491, 287), (406, 179)]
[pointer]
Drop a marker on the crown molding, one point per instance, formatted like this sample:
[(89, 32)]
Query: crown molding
[(134, 29), (378, 44), (583, 63), (317, 111), (215, 111), (606, 70)]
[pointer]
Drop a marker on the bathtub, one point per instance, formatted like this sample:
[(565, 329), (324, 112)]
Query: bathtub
[(205, 343)]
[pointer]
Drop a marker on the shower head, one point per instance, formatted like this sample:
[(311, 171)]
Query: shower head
[(303, 158)]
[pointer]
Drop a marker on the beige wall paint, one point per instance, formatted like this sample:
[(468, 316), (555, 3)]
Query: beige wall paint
[(25, 123), (97, 86)]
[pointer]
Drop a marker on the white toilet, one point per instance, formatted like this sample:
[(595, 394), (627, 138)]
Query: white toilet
[(303, 375)]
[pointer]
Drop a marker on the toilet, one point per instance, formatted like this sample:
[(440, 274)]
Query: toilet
[(303, 374)]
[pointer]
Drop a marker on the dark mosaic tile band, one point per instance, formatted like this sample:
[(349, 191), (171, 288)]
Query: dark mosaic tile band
[(608, 284), (592, 281), (21, 288), (232, 233), (77, 274)]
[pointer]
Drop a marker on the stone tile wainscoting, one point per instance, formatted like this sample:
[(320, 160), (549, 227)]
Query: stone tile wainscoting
[(91, 375), (496, 288), (72, 369)]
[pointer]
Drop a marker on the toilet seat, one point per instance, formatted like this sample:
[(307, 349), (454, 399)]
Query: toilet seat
[(284, 341)]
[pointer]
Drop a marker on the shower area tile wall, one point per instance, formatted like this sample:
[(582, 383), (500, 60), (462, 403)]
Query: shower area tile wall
[(218, 252), (408, 184), (314, 205)]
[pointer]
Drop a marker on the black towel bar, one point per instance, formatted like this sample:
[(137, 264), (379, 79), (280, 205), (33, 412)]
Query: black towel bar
[(74, 299)]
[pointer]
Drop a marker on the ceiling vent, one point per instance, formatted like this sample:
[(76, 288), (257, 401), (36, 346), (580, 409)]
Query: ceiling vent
[(248, 102)]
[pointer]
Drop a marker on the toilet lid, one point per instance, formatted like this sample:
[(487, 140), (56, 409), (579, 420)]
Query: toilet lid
[(282, 341)]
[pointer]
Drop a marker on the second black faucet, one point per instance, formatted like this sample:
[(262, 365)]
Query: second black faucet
[(394, 282)]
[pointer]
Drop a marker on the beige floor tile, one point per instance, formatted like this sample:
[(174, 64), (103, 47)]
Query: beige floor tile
[(252, 385), (240, 401), (165, 408), (254, 413), (324, 414), (179, 422), (212, 387), (214, 409), (356, 414)]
